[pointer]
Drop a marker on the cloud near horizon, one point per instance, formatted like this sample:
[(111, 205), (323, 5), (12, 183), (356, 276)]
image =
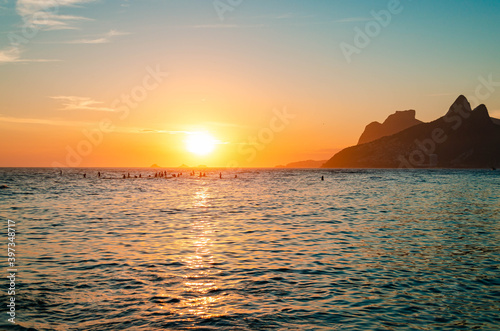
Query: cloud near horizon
[(103, 39), (81, 103), (13, 55), (40, 121)]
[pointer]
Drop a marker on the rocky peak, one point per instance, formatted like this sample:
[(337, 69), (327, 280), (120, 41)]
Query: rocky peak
[(461, 106), (395, 123)]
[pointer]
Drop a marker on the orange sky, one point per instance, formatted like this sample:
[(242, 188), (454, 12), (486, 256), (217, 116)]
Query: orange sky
[(125, 83)]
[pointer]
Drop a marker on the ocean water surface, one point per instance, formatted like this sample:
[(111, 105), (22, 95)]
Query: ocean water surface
[(269, 250)]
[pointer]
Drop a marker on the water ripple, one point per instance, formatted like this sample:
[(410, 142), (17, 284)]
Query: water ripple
[(271, 250)]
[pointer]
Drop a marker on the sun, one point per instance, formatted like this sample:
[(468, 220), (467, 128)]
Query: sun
[(200, 143)]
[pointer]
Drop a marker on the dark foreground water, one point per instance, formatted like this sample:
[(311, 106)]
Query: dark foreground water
[(271, 249)]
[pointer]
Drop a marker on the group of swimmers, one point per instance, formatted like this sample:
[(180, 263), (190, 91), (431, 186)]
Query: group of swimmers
[(193, 173), (163, 174), (128, 176)]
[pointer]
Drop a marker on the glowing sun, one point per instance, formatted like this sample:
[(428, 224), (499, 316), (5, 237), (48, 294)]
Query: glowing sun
[(200, 143)]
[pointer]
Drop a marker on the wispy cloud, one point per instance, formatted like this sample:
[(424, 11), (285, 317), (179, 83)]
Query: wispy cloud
[(41, 121), (62, 122), (81, 103), (41, 15), (103, 39), (44, 14), (13, 55)]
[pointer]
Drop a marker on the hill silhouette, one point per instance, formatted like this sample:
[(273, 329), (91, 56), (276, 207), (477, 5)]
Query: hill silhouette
[(395, 123), (462, 138), (303, 164)]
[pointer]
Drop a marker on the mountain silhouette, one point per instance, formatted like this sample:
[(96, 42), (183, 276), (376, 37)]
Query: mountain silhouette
[(395, 123), (303, 164), (462, 138)]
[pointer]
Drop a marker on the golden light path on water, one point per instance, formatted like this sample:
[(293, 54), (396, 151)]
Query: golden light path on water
[(198, 264), (272, 249), (199, 280)]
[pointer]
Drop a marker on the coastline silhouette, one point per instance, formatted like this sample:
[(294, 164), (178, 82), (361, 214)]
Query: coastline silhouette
[(462, 138)]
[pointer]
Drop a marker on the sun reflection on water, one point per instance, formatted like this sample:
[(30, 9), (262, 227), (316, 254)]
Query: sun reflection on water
[(199, 280)]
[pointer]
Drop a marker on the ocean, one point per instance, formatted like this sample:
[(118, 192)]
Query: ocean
[(272, 249)]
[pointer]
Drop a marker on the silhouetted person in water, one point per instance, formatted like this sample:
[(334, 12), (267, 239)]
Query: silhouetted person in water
[(84, 175), (124, 177), (60, 172), (220, 175), (140, 176), (128, 175), (235, 176), (322, 177), (99, 174)]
